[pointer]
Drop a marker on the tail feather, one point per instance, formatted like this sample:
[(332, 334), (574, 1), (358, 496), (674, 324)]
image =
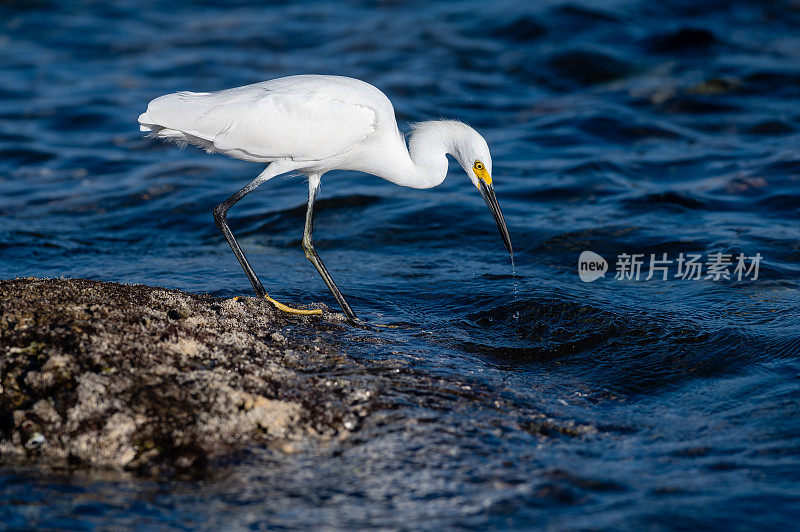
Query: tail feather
[(167, 117)]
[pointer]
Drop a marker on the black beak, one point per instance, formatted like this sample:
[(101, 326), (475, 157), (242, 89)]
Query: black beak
[(487, 191)]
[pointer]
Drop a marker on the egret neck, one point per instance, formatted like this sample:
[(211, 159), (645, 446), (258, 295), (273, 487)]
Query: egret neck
[(423, 163)]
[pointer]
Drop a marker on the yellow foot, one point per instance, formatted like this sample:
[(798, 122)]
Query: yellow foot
[(290, 310)]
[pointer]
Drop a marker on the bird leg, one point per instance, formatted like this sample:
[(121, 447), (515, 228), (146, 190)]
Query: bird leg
[(311, 253), (220, 218)]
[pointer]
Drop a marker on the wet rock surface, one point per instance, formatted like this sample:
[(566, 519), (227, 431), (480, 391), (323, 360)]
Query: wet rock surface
[(162, 382)]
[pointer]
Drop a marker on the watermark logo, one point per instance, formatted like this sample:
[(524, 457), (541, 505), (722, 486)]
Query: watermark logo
[(686, 266), (591, 266)]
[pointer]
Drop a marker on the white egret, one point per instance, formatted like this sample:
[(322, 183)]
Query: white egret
[(311, 125)]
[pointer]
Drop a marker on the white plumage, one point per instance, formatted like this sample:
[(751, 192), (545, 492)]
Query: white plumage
[(314, 124), (294, 118)]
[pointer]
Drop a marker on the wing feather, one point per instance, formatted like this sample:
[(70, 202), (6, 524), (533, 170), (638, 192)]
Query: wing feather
[(257, 123)]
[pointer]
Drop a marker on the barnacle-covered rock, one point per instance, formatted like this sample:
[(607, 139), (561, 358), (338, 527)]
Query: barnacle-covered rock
[(161, 382)]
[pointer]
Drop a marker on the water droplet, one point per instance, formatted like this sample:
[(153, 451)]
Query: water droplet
[(514, 275)]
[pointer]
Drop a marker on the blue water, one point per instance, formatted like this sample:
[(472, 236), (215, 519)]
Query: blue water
[(531, 400)]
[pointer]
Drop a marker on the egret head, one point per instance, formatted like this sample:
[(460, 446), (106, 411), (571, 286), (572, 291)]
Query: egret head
[(472, 153)]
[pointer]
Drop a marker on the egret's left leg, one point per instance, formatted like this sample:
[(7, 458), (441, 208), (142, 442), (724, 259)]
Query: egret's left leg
[(221, 219), (311, 253)]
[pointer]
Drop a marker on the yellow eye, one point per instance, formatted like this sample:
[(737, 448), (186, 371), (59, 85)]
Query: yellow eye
[(481, 173)]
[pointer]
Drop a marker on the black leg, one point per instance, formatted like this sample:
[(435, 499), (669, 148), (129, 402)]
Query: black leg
[(311, 253), (220, 218)]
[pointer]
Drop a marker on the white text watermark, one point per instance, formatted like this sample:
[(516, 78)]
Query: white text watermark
[(684, 266)]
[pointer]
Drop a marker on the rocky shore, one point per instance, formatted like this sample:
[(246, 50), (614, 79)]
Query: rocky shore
[(163, 382)]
